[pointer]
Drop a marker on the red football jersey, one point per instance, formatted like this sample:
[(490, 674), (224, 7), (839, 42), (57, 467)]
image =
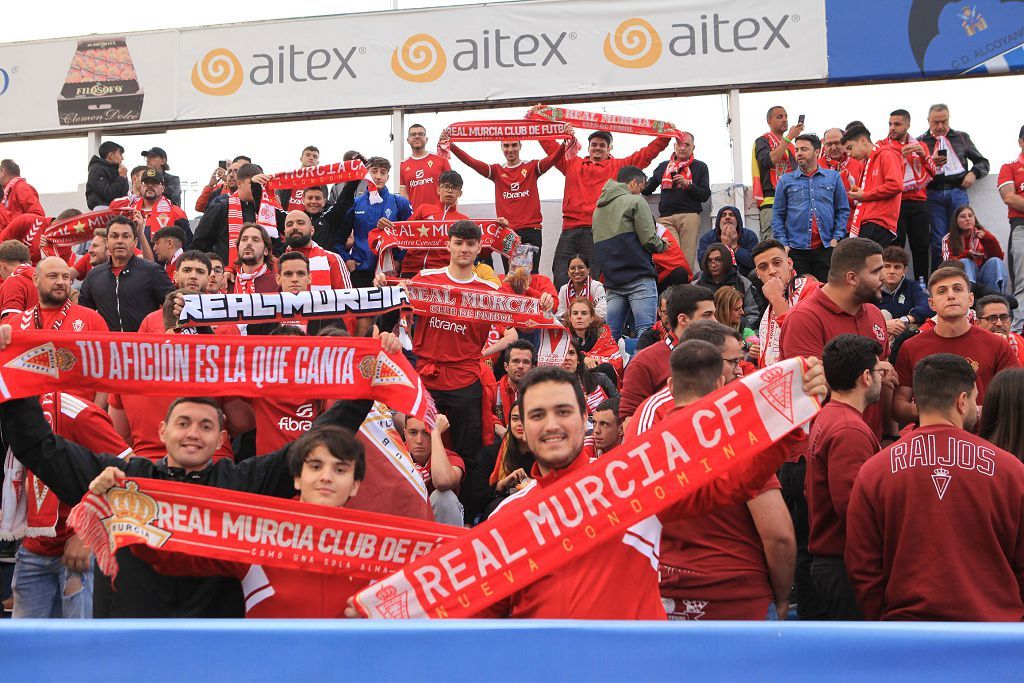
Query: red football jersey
[(1013, 174), (18, 292), (448, 351), (281, 421), (419, 177), (986, 352)]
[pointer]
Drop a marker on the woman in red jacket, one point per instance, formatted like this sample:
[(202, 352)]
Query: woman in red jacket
[(978, 249), (595, 338)]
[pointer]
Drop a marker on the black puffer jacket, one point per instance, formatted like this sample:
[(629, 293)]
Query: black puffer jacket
[(104, 184), (139, 592)]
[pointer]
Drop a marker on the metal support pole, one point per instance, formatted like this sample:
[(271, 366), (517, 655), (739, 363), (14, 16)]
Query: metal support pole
[(397, 144), (94, 138), (737, 149)]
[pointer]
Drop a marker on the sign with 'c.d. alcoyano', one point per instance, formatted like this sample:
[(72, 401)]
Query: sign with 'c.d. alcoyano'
[(527, 51)]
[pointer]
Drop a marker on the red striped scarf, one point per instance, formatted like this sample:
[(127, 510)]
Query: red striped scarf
[(785, 165), (609, 122), (674, 168)]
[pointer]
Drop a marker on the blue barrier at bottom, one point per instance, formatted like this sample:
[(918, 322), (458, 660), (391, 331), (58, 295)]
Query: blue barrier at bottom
[(443, 652)]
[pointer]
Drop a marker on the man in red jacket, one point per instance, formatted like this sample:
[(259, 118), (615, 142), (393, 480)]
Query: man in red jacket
[(328, 464), (879, 192), (619, 579), (840, 443), (584, 179), (19, 197), (914, 222), (934, 521)]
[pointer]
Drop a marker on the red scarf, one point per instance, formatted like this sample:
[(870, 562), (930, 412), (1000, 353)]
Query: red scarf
[(313, 176), (674, 168), (245, 283), (80, 228), (44, 509), (499, 131), (236, 527), (320, 266), (218, 309), (785, 165), (160, 213), (915, 172), (770, 329), (839, 167), (205, 365), (476, 306), (9, 189), (434, 235), (266, 216), (609, 122), (595, 398), (639, 478), (858, 209)]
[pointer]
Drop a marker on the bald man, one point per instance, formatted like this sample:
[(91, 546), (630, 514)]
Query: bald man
[(834, 156)]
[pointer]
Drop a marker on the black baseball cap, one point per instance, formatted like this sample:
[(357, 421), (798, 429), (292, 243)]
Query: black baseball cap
[(151, 175), (155, 152)]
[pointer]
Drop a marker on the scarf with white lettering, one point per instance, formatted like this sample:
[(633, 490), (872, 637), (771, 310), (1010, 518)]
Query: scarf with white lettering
[(433, 235), (609, 122), (80, 228), (562, 519), (786, 164), (770, 330), (479, 307), (313, 176), (218, 309), (235, 527), (9, 189), (499, 131), (210, 365), (245, 283), (674, 168)]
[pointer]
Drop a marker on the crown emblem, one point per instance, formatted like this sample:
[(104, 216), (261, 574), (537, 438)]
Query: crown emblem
[(131, 515), (66, 358), (393, 605), (941, 479), (367, 366)]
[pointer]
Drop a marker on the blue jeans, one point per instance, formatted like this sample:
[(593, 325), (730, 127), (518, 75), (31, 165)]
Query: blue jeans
[(993, 274), (640, 297), (40, 589), (942, 204)]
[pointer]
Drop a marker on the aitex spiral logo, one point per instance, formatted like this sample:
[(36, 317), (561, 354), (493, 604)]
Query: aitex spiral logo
[(421, 59), (634, 45), (218, 73)]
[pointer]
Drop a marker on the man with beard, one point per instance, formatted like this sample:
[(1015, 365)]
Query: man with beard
[(214, 230), (326, 269), (846, 304), (192, 276), (840, 443), (158, 210), (126, 288), (950, 297), (913, 224), (254, 274), (520, 357), (934, 521)]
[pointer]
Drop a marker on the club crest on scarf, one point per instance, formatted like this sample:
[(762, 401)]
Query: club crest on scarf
[(778, 391), (132, 514), (45, 359), (381, 370)]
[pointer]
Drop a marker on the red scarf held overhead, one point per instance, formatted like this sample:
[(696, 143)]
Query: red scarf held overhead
[(80, 228), (233, 526), (206, 365), (499, 131), (609, 122), (640, 478), (314, 176), (434, 235)]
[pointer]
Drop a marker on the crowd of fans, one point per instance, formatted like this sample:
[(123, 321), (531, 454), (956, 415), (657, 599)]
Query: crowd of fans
[(900, 503)]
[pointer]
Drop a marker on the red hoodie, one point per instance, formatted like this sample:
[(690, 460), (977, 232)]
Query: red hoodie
[(883, 188), (584, 179), (934, 530)]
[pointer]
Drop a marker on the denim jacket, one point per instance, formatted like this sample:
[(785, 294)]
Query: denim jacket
[(798, 197)]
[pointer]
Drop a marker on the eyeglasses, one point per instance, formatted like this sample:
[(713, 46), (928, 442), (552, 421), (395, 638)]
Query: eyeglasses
[(217, 270), (735, 362), (449, 188), (996, 318)]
